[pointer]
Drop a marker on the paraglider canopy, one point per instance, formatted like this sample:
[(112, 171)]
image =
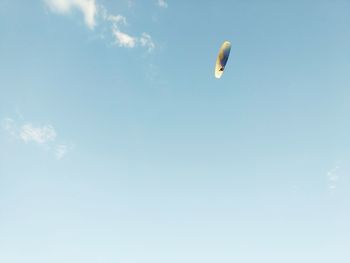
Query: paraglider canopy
[(222, 59)]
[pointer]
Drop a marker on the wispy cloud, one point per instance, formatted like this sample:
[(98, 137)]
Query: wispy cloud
[(123, 39), (333, 177), (39, 134), (61, 150), (146, 41), (43, 135), (115, 19), (162, 3), (119, 19), (94, 12), (87, 7)]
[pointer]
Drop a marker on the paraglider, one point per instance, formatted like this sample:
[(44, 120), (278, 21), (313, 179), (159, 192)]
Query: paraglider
[(222, 59)]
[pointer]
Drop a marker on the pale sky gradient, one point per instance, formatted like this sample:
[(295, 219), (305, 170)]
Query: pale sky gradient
[(118, 145)]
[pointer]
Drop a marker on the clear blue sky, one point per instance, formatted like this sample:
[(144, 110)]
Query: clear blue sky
[(118, 145)]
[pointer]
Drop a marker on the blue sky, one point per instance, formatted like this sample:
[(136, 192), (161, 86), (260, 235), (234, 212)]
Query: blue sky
[(117, 143)]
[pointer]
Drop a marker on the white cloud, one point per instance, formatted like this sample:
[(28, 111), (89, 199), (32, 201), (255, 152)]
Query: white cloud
[(87, 7), (40, 135), (44, 135), (146, 41), (162, 3), (93, 12), (114, 19), (123, 39)]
